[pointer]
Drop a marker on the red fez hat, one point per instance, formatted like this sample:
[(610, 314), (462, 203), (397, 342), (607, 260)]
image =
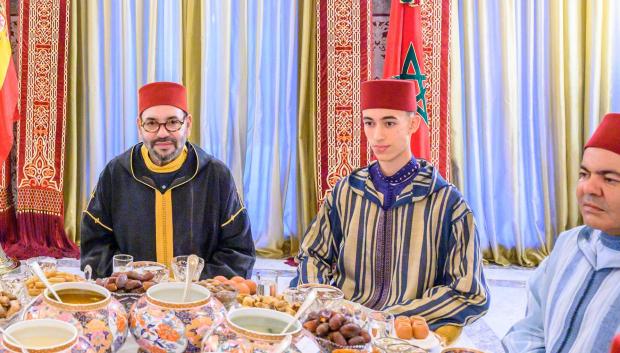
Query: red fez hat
[(162, 93), (607, 134), (615, 345), (389, 94)]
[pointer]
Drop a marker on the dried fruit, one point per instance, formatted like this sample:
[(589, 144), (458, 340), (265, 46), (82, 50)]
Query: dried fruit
[(338, 327), (350, 330), (338, 338), (323, 329), (311, 325), (356, 341)]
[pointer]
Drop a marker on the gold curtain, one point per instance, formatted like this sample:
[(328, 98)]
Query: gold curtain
[(306, 137), (192, 60), (73, 192)]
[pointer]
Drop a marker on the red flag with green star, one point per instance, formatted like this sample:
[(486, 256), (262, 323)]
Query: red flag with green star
[(404, 60)]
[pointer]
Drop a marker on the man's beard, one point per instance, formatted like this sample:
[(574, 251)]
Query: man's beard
[(163, 159)]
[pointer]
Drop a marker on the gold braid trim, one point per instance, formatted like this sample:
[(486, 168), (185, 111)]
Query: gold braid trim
[(96, 220), (232, 218)]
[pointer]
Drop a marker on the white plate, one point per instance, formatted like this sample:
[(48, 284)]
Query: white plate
[(431, 343)]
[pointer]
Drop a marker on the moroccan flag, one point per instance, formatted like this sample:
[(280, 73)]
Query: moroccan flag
[(8, 84), (404, 60)]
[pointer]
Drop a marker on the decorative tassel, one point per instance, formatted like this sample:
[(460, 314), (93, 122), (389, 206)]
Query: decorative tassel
[(41, 235), (8, 223), (42, 73), (8, 226)]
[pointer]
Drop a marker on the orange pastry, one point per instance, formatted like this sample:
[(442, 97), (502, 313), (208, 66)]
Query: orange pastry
[(401, 318), (420, 330), (416, 318), (404, 330)]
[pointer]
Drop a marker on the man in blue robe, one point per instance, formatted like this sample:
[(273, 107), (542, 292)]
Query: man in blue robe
[(574, 296)]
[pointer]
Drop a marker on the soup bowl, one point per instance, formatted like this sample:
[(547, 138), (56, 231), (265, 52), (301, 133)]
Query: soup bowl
[(257, 330), (98, 317), (45, 336), (161, 322)]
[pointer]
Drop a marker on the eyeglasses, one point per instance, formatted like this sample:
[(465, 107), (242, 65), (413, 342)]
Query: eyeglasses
[(172, 125)]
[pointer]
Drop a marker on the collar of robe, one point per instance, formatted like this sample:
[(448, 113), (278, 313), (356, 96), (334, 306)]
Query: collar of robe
[(599, 257), (167, 168)]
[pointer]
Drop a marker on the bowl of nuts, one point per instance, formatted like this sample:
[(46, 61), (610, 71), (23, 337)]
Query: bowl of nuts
[(277, 303), (226, 293)]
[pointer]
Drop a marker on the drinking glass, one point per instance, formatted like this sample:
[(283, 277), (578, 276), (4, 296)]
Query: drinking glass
[(122, 263), (381, 324), (267, 282), (47, 264), (179, 266)]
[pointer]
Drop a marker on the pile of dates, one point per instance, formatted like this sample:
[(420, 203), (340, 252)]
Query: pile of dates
[(336, 327), (127, 282)]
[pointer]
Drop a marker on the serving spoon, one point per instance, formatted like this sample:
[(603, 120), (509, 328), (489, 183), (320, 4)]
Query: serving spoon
[(310, 298), (39, 272), (283, 345), (192, 264)]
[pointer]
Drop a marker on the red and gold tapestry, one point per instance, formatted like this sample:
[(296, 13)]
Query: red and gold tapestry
[(344, 52), (42, 62)]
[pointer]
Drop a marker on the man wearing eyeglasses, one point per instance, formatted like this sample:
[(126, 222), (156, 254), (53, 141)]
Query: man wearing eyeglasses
[(166, 197)]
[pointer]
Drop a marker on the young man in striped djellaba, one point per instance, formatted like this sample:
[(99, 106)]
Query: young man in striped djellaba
[(394, 235)]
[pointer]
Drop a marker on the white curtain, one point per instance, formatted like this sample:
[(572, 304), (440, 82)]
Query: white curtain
[(248, 111), (531, 80), (126, 44)]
